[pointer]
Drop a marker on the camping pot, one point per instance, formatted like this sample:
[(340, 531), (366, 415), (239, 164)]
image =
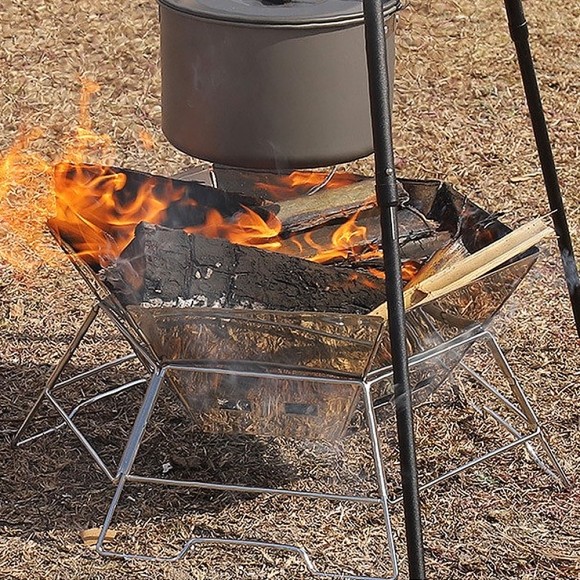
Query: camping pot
[(268, 84)]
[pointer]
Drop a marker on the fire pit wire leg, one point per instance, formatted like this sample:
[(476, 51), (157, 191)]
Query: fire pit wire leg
[(387, 198), (130, 453), (528, 411), (379, 471), (124, 475), (55, 375)]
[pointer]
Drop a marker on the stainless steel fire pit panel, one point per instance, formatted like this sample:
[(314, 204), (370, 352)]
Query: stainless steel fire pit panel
[(271, 373), (298, 373), (259, 95), (331, 344)]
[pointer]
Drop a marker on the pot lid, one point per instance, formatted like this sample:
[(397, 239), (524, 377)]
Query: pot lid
[(279, 12)]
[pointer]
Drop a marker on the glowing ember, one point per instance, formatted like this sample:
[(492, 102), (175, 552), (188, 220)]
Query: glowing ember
[(409, 269)]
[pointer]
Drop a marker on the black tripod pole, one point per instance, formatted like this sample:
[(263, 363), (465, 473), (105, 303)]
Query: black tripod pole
[(520, 36), (387, 198)]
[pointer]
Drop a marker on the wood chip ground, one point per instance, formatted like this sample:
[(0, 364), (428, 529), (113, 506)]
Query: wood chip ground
[(459, 116)]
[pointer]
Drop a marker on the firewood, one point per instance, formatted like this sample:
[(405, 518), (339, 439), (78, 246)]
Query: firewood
[(191, 270), (90, 536), (418, 238), (461, 272), (310, 211)]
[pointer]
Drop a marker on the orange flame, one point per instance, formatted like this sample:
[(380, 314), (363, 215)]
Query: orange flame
[(97, 214), (409, 269), (27, 197), (248, 229), (93, 209), (343, 240), (24, 204)]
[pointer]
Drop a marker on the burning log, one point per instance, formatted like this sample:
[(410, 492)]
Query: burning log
[(338, 224), (361, 236), (98, 207), (162, 266), (310, 211), (308, 222), (280, 185)]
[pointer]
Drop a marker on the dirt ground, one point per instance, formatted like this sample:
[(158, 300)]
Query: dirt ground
[(459, 116)]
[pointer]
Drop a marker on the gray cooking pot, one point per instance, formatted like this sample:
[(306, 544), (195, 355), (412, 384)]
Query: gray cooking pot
[(268, 83)]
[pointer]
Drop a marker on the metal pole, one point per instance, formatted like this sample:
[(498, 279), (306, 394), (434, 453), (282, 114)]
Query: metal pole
[(519, 32), (387, 198)]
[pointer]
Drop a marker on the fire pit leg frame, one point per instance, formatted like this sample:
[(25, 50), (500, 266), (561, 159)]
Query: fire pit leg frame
[(124, 475), (525, 408), (522, 408), (47, 394)]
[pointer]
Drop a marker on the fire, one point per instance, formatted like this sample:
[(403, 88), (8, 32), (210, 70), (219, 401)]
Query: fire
[(409, 270), (27, 196), (301, 182), (97, 212), (344, 239), (89, 206), (95, 209), (249, 229), (24, 205)]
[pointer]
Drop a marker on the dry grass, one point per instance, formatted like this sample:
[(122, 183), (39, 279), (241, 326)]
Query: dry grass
[(460, 116)]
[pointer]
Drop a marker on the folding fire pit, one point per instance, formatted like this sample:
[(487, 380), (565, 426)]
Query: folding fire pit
[(300, 352), (280, 373)]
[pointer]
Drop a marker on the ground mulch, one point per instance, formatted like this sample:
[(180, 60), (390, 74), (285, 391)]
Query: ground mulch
[(459, 116)]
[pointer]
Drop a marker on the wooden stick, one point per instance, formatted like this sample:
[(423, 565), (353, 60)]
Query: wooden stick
[(468, 269), (488, 267)]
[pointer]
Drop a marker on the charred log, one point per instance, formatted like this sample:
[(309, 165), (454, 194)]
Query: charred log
[(279, 185), (174, 267)]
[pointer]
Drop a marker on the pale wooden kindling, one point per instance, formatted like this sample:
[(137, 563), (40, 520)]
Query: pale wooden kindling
[(461, 272)]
